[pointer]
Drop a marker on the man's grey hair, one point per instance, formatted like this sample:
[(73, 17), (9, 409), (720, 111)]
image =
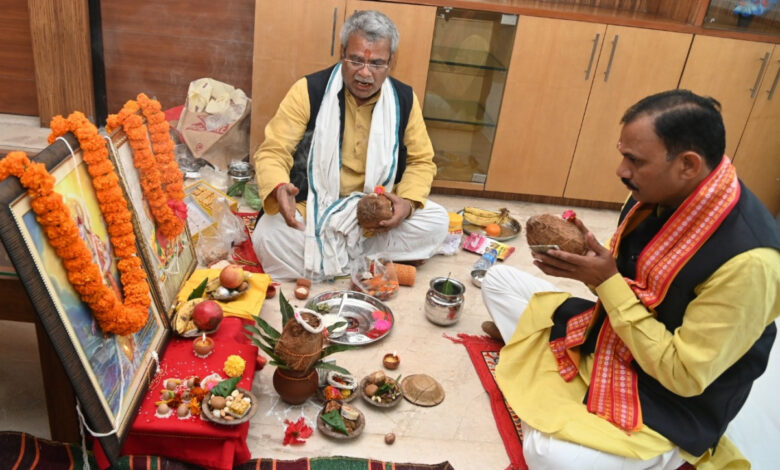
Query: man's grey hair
[(373, 25)]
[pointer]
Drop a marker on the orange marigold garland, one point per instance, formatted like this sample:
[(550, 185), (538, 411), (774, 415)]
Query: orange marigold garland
[(162, 145), (112, 315), (165, 203)]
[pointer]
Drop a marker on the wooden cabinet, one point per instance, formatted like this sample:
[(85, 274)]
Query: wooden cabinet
[(552, 68), (758, 155), (312, 28), (730, 71), (743, 77), (415, 28), (633, 63)]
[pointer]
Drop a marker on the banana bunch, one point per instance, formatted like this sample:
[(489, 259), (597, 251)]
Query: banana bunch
[(182, 317), (483, 217)]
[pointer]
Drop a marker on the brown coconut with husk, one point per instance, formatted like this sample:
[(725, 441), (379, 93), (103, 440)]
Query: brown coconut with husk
[(298, 348), (372, 209), (549, 229)]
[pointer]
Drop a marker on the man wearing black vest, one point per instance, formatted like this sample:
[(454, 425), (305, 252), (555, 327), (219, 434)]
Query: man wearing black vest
[(339, 134), (651, 374)]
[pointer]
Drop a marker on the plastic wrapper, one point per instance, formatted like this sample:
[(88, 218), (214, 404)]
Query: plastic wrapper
[(217, 244), (375, 275)]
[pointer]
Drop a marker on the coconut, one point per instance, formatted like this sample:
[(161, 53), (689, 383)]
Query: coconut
[(549, 229), (372, 209)]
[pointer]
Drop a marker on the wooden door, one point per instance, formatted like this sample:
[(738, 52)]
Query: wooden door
[(758, 154), (634, 63), (292, 38), (551, 71), (17, 72), (730, 71), (415, 28)]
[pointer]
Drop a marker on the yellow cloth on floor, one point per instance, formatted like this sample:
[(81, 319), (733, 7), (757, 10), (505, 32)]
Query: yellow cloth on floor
[(244, 306)]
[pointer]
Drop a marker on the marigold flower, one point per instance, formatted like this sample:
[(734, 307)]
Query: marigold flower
[(234, 366)]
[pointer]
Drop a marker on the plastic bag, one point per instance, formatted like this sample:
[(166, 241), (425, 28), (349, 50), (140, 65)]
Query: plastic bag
[(374, 275), (216, 246)]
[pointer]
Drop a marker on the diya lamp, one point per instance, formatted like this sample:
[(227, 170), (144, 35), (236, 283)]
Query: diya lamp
[(391, 361), (203, 346)]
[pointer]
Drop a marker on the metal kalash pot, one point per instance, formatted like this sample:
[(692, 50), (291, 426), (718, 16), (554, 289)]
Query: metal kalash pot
[(240, 172), (444, 301)]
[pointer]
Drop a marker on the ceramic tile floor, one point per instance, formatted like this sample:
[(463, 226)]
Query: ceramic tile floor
[(461, 429)]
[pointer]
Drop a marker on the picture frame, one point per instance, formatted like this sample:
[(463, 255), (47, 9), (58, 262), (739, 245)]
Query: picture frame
[(110, 374), (168, 265)]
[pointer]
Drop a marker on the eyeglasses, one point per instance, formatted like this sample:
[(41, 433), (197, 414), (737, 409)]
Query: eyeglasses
[(373, 66)]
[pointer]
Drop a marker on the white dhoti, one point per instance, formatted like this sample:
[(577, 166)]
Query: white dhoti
[(506, 292), (280, 247)]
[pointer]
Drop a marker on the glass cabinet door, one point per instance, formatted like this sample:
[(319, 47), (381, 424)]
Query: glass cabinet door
[(750, 16), (466, 77)]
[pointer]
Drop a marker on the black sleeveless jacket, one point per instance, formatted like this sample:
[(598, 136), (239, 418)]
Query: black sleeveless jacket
[(695, 424), (316, 83)]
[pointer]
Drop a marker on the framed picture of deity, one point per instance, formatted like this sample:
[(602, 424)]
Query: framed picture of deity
[(110, 373), (169, 262)]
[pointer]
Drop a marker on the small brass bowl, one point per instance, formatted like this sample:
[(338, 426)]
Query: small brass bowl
[(476, 277)]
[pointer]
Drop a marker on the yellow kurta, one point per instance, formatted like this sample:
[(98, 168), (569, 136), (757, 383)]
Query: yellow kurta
[(273, 160), (732, 307)]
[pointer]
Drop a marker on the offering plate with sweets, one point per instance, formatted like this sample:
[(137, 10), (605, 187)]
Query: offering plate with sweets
[(236, 408), (339, 387), (380, 390), (340, 421)]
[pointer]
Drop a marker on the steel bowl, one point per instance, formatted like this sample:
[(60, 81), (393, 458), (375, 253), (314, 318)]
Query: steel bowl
[(476, 277)]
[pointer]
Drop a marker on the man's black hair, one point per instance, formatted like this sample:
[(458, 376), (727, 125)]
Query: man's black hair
[(684, 121)]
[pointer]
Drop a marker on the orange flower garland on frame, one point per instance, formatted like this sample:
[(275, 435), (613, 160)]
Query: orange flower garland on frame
[(165, 203), (112, 315)]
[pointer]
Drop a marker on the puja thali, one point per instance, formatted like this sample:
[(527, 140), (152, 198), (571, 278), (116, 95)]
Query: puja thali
[(509, 229), (368, 318)]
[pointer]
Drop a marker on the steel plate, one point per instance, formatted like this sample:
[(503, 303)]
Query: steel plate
[(509, 229), (364, 326)]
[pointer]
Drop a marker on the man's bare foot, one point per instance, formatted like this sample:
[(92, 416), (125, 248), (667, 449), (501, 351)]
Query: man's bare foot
[(491, 330)]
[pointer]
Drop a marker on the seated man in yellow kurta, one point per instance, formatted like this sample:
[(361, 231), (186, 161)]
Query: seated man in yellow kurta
[(337, 135), (654, 371)]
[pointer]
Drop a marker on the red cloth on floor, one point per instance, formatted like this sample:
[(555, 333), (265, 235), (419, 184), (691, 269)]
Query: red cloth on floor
[(194, 439), (483, 352), (244, 253)]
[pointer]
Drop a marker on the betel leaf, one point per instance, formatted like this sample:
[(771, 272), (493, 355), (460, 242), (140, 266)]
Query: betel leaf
[(225, 387), (285, 308), (334, 420), (237, 189), (336, 325), (198, 291)]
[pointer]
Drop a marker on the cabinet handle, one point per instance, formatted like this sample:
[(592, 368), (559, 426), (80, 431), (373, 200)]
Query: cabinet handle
[(611, 56), (764, 62), (774, 84), (333, 31), (592, 56)]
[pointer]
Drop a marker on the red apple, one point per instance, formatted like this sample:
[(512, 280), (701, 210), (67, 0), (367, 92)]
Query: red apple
[(207, 315), (231, 276)]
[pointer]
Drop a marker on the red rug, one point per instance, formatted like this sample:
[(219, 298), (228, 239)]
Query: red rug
[(483, 352)]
